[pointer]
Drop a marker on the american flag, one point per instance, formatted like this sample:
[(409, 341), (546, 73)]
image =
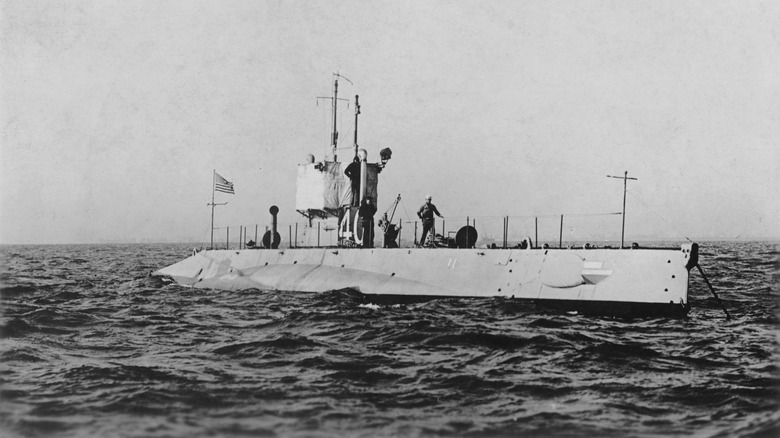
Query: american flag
[(223, 185)]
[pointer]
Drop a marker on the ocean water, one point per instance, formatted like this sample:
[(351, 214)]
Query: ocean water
[(92, 346)]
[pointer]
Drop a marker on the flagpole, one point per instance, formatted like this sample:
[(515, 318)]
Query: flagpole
[(226, 187), (213, 185)]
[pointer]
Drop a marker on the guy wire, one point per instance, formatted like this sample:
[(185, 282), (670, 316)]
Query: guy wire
[(660, 217)]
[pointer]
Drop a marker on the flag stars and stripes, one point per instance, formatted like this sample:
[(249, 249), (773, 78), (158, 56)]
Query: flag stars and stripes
[(223, 185)]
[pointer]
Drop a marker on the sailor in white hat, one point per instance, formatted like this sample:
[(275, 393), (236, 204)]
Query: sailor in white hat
[(426, 213)]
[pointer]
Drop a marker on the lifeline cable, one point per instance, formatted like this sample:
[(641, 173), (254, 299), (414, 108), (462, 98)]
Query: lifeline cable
[(394, 206), (203, 238), (406, 213), (660, 217), (409, 221), (389, 206)]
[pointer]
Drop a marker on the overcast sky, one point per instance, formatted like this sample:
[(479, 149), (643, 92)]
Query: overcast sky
[(114, 114)]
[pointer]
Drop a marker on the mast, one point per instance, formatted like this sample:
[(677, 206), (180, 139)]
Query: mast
[(335, 136), (357, 113), (625, 179)]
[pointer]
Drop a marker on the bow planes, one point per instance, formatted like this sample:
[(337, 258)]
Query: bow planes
[(624, 281)]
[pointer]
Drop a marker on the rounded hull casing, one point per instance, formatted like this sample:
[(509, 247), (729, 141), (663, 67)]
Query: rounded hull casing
[(623, 282)]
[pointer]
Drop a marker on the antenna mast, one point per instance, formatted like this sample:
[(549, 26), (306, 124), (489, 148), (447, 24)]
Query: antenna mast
[(625, 179), (335, 136), (334, 107), (357, 113)]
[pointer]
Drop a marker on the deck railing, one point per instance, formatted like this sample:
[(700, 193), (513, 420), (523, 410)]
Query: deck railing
[(553, 231)]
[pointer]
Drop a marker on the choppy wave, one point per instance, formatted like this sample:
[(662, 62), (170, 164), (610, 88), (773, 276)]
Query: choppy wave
[(94, 346)]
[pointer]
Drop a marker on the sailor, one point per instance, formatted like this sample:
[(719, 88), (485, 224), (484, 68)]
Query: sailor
[(353, 173), (426, 213), (390, 232), (366, 213)]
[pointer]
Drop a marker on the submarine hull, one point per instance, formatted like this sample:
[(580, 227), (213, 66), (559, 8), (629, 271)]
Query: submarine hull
[(619, 282)]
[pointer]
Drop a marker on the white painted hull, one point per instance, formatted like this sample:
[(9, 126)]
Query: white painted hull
[(633, 281)]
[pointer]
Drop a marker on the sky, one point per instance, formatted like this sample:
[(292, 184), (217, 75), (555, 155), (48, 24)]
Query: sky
[(114, 114)]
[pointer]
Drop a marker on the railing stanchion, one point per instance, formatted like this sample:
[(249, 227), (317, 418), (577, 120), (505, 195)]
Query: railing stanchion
[(560, 236), (506, 231)]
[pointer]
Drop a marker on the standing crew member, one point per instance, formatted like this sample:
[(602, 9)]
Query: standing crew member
[(353, 172), (366, 213), (426, 213)]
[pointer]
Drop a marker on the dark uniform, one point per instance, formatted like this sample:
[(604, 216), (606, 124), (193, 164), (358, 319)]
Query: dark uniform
[(366, 213), (353, 172)]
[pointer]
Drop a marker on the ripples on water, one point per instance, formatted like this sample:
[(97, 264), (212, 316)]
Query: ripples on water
[(90, 345)]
